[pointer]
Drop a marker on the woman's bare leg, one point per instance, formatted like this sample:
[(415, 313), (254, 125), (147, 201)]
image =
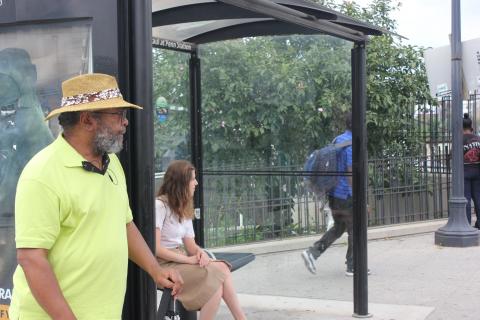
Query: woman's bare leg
[(209, 309), (229, 294)]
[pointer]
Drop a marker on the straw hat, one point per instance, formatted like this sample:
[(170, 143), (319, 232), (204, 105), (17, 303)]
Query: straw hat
[(93, 91)]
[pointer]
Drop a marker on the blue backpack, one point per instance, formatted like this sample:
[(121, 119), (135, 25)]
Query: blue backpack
[(323, 164)]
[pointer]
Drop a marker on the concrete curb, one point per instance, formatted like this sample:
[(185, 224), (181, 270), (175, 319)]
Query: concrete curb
[(332, 309), (298, 243)]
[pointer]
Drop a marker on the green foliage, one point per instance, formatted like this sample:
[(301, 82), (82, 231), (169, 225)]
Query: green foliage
[(281, 97), (275, 97), (170, 83), (397, 83)]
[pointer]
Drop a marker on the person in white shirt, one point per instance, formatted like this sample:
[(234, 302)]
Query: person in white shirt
[(206, 281)]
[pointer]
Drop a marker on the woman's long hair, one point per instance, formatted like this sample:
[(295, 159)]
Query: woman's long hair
[(175, 188)]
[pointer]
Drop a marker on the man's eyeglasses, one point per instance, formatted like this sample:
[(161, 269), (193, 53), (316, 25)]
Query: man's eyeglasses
[(122, 115)]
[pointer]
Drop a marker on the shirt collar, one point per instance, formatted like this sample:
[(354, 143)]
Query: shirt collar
[(71, 158), (91, 168)]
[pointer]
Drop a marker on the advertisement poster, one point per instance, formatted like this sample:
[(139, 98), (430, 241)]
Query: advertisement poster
[(34, 60)]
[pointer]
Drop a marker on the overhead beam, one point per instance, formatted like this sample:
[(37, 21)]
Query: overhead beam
[(202, 12), (296, 17), (250, 29)]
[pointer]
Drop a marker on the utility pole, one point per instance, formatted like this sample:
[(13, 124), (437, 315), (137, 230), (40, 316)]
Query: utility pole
[(457, 232)]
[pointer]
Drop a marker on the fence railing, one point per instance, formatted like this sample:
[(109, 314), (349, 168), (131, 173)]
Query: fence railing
[(245, 207), (241, 205)]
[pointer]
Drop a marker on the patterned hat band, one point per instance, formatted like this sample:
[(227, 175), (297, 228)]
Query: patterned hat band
[(91, 97)]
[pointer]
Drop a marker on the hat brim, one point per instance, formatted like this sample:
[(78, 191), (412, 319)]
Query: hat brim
[(96, 105)]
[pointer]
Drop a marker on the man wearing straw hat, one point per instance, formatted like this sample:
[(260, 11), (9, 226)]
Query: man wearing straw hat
[(73, 223)]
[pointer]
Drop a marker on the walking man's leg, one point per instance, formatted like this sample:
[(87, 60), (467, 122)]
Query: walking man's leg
[(328, 238), (349, 255), (475, 192), (311, 254), (467, 189)]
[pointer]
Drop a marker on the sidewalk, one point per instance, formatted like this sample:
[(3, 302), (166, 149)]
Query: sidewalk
[(412, 279)]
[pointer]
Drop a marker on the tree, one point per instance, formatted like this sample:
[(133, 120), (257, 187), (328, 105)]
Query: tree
[(171, 102), (272, 96), (283, 95), (397, 85)]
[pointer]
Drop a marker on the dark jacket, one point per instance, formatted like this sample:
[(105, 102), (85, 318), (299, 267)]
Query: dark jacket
[(471, 151)]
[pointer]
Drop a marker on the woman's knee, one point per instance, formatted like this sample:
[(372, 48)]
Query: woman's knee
[(222, 267)]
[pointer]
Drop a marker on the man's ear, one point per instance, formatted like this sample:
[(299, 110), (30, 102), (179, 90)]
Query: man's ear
[(88, 121)]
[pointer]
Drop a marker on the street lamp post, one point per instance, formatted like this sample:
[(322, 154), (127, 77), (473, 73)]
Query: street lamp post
[(457, 232)]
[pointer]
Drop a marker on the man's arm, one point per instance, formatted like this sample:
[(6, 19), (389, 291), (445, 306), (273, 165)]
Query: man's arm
[(350, 177), (349, 154), (43, 283), (139, 252)]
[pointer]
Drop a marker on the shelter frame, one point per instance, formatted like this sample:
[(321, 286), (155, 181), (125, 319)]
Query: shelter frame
[(122, 46)]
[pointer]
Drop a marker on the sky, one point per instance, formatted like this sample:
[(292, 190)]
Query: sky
[(428, 23)]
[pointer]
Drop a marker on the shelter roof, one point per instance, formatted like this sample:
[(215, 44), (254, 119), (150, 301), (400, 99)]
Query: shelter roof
[(204, 21)]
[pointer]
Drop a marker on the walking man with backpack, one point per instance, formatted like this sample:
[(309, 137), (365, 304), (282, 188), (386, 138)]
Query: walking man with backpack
[(340, 202)]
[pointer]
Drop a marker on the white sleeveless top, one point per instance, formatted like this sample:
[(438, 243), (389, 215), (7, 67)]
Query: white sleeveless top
[(172, 231)]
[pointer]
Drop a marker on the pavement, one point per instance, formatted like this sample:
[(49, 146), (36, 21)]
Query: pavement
[(412, 279)]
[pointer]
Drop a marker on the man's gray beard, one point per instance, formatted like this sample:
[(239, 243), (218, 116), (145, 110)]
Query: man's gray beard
[(107, 142)]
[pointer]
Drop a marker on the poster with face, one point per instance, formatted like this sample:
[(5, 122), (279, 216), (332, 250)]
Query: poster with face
[(34, 60)]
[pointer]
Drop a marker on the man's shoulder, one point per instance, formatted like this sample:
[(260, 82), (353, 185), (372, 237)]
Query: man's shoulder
[(344, 137), (41, 163), (39, 173), (469, 138)]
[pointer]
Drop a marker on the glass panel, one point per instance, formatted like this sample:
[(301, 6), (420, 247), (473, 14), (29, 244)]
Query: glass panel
[(267, 103), (172, 108), (34, 60)]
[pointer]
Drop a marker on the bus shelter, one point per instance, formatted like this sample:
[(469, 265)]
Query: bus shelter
[(53, 40), (186, 25)]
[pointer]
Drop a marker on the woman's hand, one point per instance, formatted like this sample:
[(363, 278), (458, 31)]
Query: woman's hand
[(203, 259), (192, 259)]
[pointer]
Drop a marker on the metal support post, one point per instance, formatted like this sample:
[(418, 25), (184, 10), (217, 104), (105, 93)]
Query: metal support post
[(135, 78), (196, 141), (457, 232), (359, 188)]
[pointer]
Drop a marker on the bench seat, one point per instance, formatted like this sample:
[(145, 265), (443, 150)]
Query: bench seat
[(236, 259)]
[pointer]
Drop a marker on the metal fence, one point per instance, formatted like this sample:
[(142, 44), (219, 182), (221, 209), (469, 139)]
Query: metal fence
[(242, 205), (245, 208)]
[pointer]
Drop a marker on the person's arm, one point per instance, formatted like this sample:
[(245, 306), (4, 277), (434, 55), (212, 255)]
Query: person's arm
[(139, 252), (349, 158), (169, 255), (350, 177), (43, 283), (194, 250)]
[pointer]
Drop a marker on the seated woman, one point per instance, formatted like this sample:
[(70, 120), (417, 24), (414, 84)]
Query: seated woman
[(206, 281)]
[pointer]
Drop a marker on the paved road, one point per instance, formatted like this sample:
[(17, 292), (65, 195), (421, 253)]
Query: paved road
[(412, 279)]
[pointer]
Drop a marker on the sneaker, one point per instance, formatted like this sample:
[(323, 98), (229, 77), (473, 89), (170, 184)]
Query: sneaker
[(309, 261), (350, 271)]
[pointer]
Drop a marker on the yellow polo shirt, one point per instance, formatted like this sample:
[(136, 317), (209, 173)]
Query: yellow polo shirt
[(80, 217)]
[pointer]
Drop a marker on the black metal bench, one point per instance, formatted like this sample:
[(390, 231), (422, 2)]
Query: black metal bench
[(237, 260)]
